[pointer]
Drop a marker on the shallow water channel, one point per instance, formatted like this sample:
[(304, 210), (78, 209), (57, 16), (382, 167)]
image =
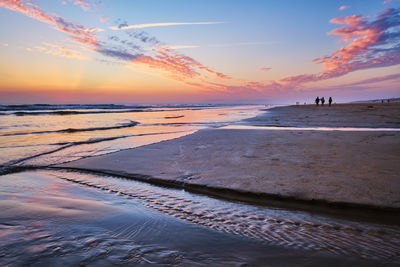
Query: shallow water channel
[(68, 218)]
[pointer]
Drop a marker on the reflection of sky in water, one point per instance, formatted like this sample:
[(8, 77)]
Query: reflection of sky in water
[(154, 126), (49, 221), (53, 214), (49, 214)]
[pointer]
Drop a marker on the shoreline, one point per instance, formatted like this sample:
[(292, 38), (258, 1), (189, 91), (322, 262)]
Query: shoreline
[(341, 210), (92, 213), (387, 215), (193, 178), (363, 115)]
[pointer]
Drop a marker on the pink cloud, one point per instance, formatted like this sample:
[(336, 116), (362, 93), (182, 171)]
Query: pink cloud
[(387, 2), (77, 32), (83, 4), (343, 8), (178, 65), (367, 44), (370, 44), (59, 50), (265, 69)]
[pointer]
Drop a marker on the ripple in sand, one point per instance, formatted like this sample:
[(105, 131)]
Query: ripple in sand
[(280, 227)]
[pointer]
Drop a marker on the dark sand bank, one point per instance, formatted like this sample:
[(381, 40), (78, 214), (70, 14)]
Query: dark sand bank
[(337, 115), (340, 169)]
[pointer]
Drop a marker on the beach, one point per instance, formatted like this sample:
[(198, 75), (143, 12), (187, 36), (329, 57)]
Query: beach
[(200, 133), (338, 115), (346, 168), (217, 186)]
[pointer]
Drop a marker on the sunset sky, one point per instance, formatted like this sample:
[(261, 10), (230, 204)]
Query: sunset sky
[(208, 51)]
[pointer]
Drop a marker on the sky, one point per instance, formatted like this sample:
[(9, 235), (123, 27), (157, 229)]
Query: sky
[(192, 51)]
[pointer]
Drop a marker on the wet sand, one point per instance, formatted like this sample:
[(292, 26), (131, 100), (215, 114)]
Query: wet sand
[(105, 221), (337, 115), (60, 217), (341, 168)]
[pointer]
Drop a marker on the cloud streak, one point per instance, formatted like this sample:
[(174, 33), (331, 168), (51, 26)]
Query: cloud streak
[(385, 78), (265, 69), (176, 66), (162, 24), (83, 4), (77, 32), (172, 64), (370, 44), (173, 47), (59, 50)]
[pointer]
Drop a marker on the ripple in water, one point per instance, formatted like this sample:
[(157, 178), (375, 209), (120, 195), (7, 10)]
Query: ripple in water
[(274, 226)]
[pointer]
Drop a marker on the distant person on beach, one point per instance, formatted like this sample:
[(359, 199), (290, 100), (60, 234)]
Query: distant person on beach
[(322, 101), (330, 101), (317, 101)]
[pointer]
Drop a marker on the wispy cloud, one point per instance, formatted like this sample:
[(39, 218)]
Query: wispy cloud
[(77, 32), (242, 44), (85, 5), (176, 66), (252, 43), (343, 8), (368, 43), (162, 24), (371, 44), (387, 2), (389, 77), (265, 69), (4, 44), (376, 82), (58, 50), (173, 47)]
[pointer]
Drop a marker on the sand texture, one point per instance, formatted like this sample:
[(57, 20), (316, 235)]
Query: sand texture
[(337, 115), (345, 167)]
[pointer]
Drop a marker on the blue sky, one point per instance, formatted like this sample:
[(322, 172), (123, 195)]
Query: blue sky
[(219, 59)]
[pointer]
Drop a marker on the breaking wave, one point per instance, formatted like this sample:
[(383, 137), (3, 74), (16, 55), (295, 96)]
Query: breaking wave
[(74, 130)]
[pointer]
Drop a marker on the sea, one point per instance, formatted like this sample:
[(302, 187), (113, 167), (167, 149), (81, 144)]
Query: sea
[(55, 217), (49, 134)]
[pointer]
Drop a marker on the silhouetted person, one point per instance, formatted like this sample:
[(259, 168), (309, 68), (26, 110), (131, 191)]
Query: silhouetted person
[(330, 101), (322, 101), (317, 101)]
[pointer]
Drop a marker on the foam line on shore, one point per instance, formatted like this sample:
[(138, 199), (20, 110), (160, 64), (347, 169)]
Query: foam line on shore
[(74, 130), (65, 145)]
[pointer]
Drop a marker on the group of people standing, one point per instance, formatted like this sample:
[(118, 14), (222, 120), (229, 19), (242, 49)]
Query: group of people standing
[(322, 99)]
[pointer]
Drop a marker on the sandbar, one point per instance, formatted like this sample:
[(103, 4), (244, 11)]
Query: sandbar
[(349, 168)]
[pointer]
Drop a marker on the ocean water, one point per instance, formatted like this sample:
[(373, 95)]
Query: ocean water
[(66, 218), (68, 132)]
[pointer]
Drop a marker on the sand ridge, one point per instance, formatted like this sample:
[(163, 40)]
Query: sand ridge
[(339, 167)]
